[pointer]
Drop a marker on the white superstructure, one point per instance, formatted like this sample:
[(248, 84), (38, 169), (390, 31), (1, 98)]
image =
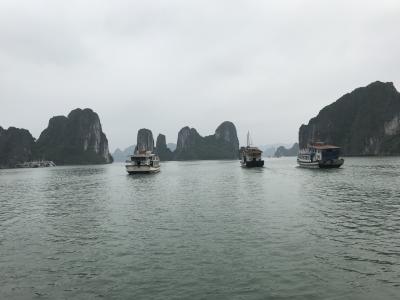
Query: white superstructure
[(320, 155), (143, 162)]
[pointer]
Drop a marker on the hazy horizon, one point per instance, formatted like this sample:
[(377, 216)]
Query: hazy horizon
[(266, 66)]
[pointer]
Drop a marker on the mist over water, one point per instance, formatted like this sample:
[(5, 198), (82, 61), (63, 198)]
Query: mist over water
[(202, 229)]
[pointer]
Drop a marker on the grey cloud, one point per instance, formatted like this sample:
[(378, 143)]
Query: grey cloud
[(268, 66)]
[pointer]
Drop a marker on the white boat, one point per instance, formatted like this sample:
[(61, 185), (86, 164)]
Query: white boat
[(320, 155), (143, 162)]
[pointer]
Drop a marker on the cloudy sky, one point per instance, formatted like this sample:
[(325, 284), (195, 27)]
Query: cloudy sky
[(268, 66)]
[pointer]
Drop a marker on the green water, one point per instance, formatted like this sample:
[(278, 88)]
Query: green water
[(202, 230)]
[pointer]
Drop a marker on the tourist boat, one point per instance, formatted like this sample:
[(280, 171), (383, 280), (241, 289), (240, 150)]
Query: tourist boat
[(320, 155), (143, 162), (250, 157)]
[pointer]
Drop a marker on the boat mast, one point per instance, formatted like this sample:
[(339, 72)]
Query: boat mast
[(249, 141)]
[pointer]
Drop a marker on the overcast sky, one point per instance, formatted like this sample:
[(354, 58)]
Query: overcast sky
[(267, 66)]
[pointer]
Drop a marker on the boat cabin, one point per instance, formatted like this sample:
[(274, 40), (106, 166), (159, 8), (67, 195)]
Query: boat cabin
[(323, 152), (320, 155), (144, 158), (250, 154), (251, 157)]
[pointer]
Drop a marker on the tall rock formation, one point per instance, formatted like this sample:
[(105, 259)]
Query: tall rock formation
[(226, 136), (76, 139), (282, 151), (190, 144), (163, 152), (224, 144), (16, 146), (363, 122), (145, 140)]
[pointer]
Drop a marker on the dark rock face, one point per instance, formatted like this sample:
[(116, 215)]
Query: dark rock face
[(363, 122), (226, 136), (224, 144), (76, 139), (16, 146), (163, 152), (145, 140), (282, 151), (188, 145)]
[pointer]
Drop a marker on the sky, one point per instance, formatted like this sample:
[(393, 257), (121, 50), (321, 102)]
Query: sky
[(267, 66)]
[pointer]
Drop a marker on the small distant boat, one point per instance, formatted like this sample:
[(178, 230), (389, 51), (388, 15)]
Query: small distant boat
[(36, 164), (320, 155), (143, 162), (250, 157)]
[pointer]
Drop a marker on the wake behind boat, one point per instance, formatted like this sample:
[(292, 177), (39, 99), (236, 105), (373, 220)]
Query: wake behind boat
[(143, 162), (320, 155)]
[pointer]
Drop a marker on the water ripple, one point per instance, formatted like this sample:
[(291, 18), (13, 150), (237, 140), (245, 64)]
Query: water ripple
[(202, 230)]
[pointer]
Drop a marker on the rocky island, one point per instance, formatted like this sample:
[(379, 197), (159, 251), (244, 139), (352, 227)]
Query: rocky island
[(223, 144), (16, 146), (162, 150), (144, 140), (363, 122), (75, 139)]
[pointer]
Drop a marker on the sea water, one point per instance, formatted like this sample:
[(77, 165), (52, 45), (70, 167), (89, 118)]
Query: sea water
[(202, 230)]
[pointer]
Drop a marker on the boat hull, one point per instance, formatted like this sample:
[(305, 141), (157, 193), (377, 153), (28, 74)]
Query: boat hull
[(252, 164), (141, 169), (329, 164)]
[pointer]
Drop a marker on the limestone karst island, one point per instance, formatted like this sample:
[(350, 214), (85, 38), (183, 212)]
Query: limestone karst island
[(363, 122), (164, 150)]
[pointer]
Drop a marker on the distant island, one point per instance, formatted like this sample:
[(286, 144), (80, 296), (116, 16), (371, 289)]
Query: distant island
[(223, 144), (363, 122), (75, 139), (283, 151), (121, 155)]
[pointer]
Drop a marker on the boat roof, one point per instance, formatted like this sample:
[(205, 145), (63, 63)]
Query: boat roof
[(251, 149), (142, 154)]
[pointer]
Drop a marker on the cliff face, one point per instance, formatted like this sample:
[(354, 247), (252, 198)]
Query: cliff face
[(162, 150), (224, 144), (226, 136), (282, 151), (189, 144), (145, 140), (76, 139), (16, 146), (363, 122)]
